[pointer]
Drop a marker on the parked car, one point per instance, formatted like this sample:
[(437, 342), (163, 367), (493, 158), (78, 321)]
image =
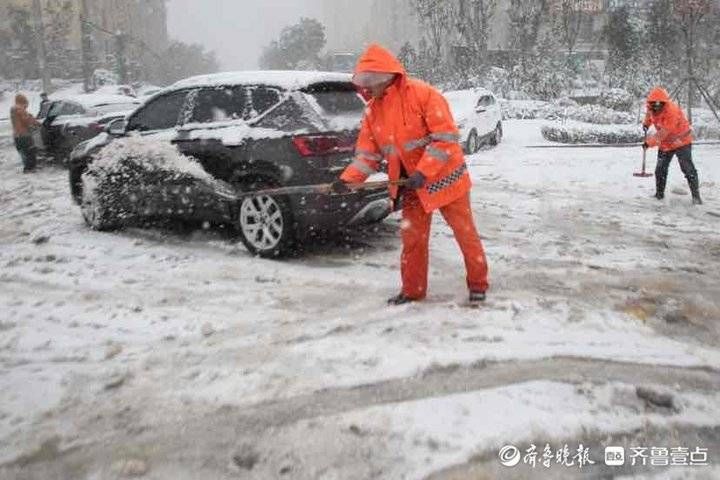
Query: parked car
[(124, 90), (478, 115), (148, 90), (69, 121), (251, 130)]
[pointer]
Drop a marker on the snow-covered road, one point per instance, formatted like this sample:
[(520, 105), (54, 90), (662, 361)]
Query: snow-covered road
[(128, 350)]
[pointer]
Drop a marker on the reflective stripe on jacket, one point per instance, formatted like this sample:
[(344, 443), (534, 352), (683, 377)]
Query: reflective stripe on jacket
[(412, 129)]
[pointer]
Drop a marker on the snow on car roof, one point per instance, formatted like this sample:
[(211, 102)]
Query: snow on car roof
[(90, 100), (285, 79)]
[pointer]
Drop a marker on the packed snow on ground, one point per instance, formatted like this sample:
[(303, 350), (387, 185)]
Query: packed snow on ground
[(104, 336), (446, 431)]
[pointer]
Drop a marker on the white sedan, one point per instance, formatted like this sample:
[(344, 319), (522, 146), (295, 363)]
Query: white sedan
[(477, 113)]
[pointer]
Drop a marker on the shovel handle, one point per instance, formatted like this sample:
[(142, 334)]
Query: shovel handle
[(322, 189), (381, 184)]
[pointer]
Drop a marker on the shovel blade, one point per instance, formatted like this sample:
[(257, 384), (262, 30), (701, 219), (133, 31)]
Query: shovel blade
[(642, 174)]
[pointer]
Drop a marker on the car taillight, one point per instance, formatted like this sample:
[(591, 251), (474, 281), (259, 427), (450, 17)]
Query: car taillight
[(327, 144), (96, 127)]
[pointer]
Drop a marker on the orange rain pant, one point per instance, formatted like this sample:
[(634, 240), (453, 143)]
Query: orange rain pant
[(416, 237)]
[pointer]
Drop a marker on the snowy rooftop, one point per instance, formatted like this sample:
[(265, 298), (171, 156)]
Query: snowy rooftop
[(285, 79)]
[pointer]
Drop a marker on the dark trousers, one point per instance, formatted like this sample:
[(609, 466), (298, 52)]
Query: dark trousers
[(684, 155), (26, 149)]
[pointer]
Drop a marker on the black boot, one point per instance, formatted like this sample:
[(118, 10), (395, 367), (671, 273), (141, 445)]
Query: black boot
[(694, 185), (477, 297), (400, 299), (660, 187)]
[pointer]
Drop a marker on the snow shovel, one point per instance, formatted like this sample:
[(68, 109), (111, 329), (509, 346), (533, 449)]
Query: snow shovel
[(643, 173), (321, 189)]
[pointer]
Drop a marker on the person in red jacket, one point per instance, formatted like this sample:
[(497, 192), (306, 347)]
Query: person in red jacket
[(673, 137), (22, 123), (408, 125)]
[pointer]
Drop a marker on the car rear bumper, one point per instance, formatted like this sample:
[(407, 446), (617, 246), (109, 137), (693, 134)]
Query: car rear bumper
[(324, 212)]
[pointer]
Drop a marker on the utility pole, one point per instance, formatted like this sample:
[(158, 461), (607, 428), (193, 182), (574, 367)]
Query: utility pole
[(86, 47), (40, 46)]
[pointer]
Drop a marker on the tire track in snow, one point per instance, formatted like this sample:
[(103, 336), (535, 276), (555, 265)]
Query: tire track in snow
[(220, 430)]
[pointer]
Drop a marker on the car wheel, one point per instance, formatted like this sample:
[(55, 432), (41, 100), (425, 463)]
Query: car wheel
[(472, 144), (95, 212), (497, 135), (266, 225), (76, 187)]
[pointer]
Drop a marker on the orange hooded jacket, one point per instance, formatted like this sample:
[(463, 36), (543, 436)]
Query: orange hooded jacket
[(673, 129), (410, 127)]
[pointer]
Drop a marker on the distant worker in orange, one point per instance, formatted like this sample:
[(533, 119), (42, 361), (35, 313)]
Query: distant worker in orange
[(408, 125), (673, 137), (22, 123)]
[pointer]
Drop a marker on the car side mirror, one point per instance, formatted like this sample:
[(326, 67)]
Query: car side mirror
[(116, 128)]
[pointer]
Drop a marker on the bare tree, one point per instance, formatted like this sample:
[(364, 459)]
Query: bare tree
[(568, 16), (473, 24), (60, 58), (690, 15), (437, 18), (526, 19)]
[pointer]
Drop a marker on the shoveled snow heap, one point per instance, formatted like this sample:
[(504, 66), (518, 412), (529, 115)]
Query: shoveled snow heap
[(149, 154), (116, 182)]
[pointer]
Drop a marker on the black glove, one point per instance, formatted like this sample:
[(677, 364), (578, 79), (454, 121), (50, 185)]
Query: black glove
[(645, 146), (339, 187), (415, 181), (645, 129)]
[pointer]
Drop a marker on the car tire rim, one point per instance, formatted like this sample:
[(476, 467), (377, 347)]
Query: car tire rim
[(262, 223)]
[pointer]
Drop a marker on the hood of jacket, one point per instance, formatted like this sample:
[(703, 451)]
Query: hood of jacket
[(379, 59), (658, 94)]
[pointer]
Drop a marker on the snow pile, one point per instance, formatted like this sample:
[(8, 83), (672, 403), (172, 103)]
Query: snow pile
[(577, 132), (535, 109), (123, 155), (128, 175)]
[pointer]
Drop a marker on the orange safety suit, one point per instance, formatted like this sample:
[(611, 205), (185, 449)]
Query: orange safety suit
[(673, 128), (411, 129)]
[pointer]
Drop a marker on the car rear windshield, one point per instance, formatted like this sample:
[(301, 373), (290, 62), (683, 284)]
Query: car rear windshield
[(338, 104)]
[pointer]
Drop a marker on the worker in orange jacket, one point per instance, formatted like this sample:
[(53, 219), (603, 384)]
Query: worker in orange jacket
[(408, 126), (673, 137)]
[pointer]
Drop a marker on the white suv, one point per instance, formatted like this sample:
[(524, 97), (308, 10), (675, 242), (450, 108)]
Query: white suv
[(477, 113)]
